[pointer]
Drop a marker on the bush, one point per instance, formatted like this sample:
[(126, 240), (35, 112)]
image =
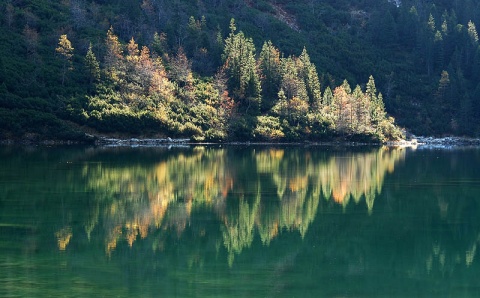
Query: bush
[(268, 129), (240, 128), (215, 135), (318, 127), (191, 129)]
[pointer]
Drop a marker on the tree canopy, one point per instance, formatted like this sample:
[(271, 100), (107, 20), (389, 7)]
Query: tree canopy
[(157, 67)]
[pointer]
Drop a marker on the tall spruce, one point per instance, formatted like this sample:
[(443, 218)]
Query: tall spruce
[(269, 63), (92, 66), (308, 72), (240, 65)]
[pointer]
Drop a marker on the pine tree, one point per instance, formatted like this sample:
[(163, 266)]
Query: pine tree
[(292, 82), (438, 49), (269, 64), (240, 64), (159, 44), (358, 109), (308, 72), (327, 96), (65, 50), (472, 32), (429, 40), (328, 109), (92, 65), (371, 93), (443, 84)]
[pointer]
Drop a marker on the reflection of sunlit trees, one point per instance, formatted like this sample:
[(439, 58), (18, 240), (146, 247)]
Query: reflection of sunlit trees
[(299, 182), (357, 175), (270, 191), (92, 220), (239, 226), (63, 237), (443, 260), (139, 197), (457, 243)]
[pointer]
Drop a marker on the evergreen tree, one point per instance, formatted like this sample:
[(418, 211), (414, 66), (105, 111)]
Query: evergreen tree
[(328, 107), (438, 50), (359, 110), (292, 82), (429, 42), (159, 44), (443, 84), (472, 32), (65, 50), (269, 64), (384, 28), (327, 96), (92, 65), (308, 72), (240, 64), (377, 107), (408, 26)]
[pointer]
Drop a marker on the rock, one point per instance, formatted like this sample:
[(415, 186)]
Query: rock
[(447, 142), (89, 136)]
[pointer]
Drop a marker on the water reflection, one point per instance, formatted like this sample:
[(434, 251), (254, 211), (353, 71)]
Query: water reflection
[(255, 221), (265, 190)]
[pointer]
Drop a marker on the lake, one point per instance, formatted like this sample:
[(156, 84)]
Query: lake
[(239, 221)]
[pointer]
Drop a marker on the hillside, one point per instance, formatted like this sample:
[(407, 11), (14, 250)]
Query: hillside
[(424, 57)]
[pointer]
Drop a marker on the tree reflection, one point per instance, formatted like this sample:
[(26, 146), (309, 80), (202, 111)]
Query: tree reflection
[(157, 216), (265, 190)]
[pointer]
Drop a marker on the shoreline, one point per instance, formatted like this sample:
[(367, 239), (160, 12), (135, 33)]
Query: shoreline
[(103, 141)]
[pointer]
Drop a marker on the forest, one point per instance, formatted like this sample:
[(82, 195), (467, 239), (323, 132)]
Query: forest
[(230, 70)]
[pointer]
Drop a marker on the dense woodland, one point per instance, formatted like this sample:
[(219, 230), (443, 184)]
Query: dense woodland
[(222, 70)]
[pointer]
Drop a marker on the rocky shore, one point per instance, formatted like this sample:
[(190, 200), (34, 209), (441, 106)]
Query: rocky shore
[(412, 141), (444, 141), (104, 141)]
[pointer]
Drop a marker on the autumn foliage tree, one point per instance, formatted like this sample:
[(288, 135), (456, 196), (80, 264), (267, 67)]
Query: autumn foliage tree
[(139, 88)]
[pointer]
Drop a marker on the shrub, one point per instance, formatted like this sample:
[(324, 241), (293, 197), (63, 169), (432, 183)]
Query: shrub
[(268, 129)]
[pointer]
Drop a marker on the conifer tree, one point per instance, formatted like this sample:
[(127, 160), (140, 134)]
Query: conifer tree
[(328, 109), (292, 83), (240, 64), (472, 32), (443, 84), (92, 65), (159, 44), (309, 74), (371, 93), (358, 117), (129, 82), (114, 65), (145, 68), (269, 63), (65, 50), (327, 96)]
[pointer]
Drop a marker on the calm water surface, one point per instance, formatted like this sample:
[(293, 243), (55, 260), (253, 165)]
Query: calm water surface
[(239, 222)]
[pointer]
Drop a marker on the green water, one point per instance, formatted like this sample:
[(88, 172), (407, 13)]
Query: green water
[(239, 222)]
